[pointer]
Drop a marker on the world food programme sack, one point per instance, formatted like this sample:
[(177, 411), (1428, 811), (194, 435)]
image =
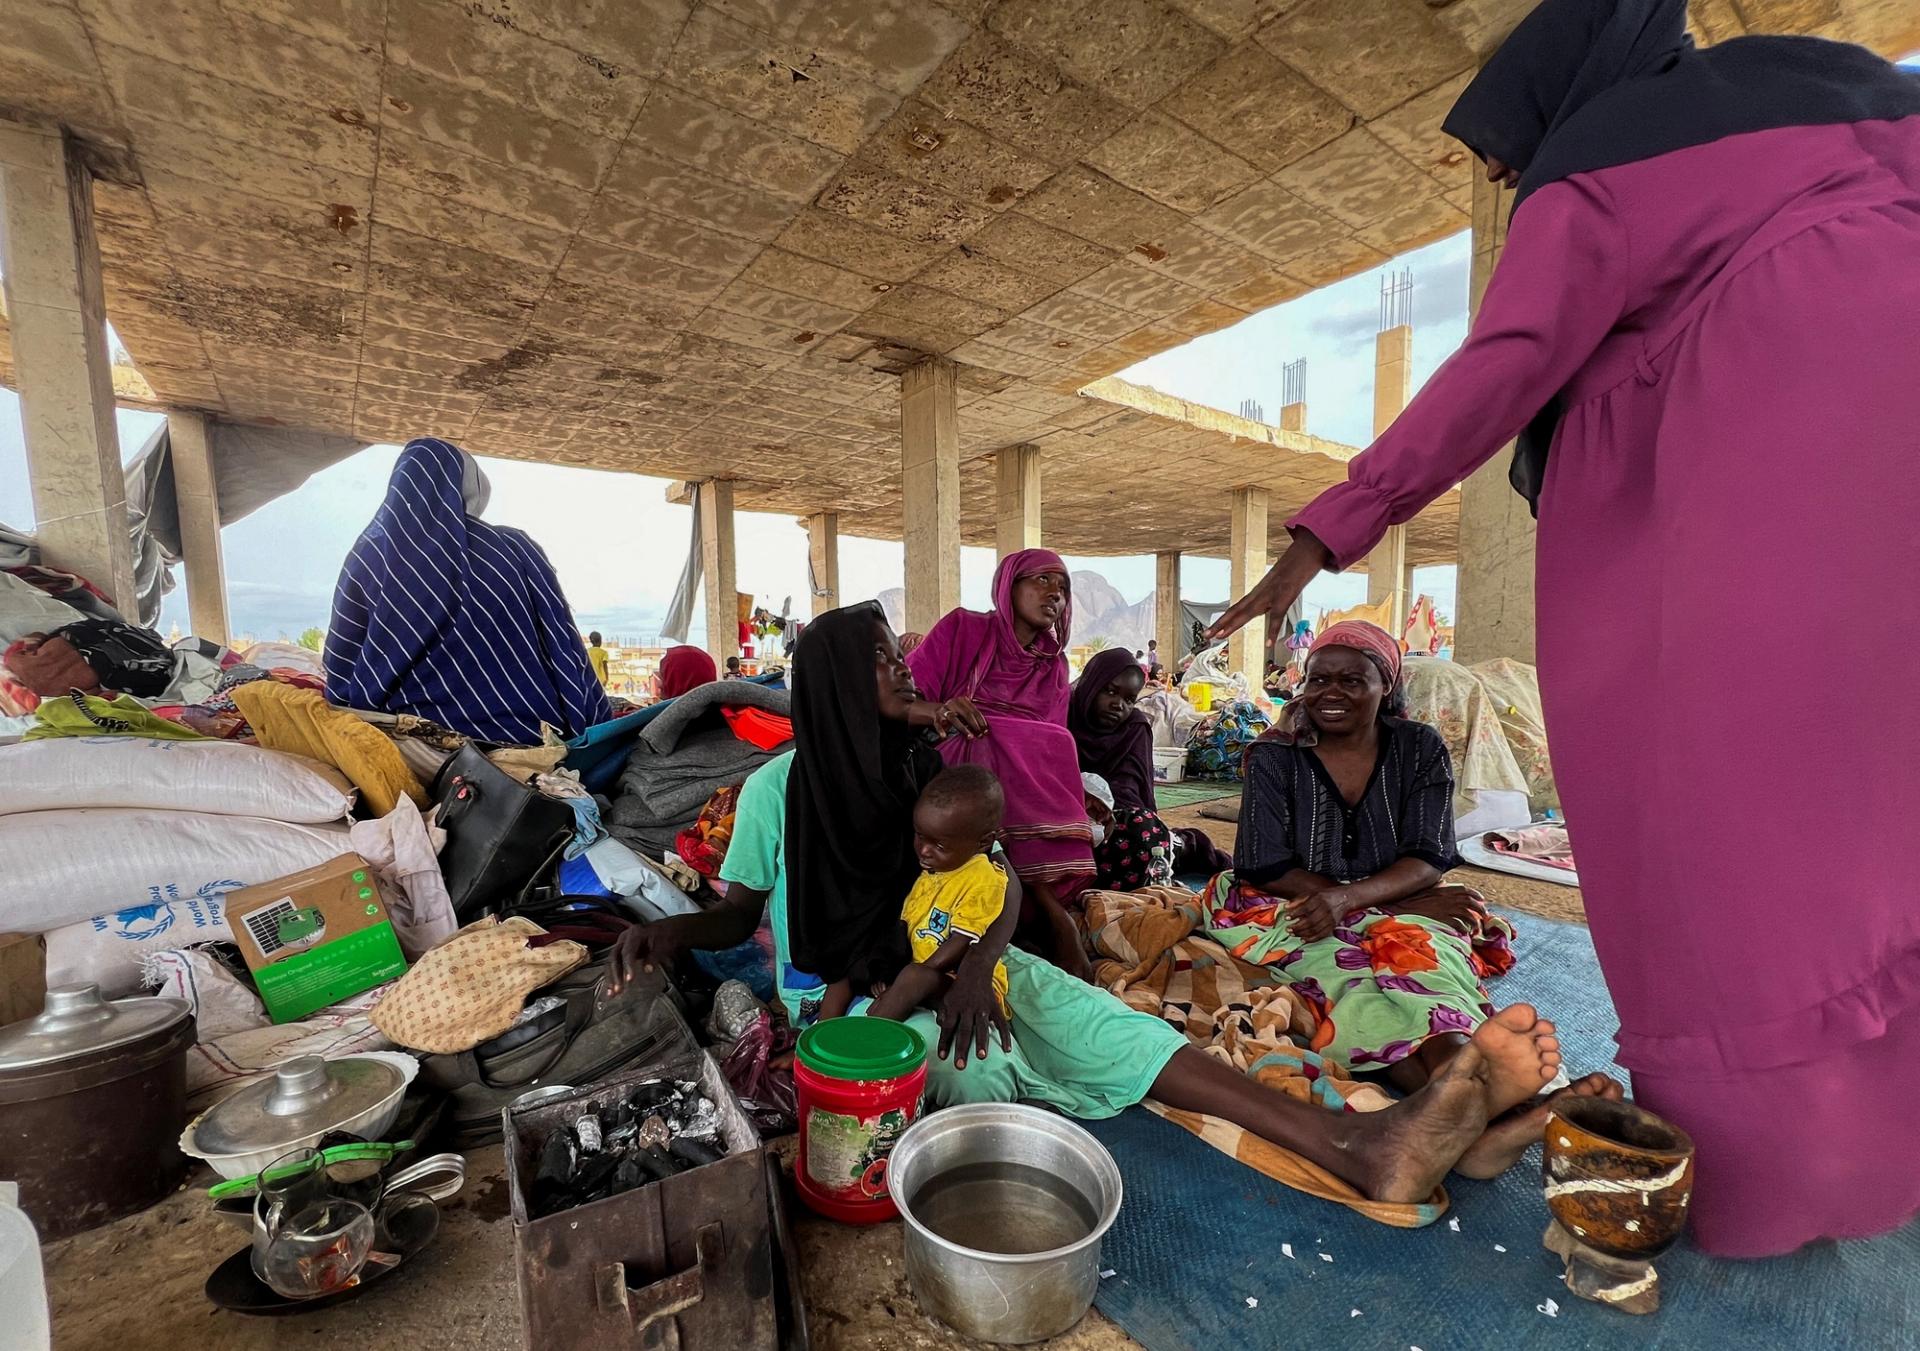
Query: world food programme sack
[(64, 866), (221, 777)]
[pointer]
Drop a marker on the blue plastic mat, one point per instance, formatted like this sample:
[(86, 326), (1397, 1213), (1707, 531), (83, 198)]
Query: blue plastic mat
[(1199, 1236)]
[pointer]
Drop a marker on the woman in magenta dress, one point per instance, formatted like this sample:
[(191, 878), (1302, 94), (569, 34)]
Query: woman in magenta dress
[(1001, 682), (1711, 281)]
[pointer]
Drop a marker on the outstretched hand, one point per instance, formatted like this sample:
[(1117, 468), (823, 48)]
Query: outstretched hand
[(642, 949), (1275, 593)]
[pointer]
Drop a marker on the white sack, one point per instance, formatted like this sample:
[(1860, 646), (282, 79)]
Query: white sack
[(222, 777), (403, 847), (221, 1004), (128, 866)]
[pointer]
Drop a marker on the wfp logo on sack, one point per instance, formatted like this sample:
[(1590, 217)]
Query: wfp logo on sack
[(139, 923)]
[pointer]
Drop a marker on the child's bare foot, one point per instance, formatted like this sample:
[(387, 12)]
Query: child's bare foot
[(1401, 1153), (1508, 1137), (1523, 1055)]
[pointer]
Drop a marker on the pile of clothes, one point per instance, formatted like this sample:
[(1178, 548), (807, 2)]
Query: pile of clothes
[(698, 746)]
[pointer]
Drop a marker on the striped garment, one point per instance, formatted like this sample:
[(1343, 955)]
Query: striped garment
[(440, 614)]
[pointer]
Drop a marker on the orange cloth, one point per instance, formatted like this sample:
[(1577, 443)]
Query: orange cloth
[(757, 727)]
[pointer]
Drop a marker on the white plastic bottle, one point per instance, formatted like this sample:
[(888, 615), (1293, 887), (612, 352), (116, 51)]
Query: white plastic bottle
[(1159, 868), (23, 1290)]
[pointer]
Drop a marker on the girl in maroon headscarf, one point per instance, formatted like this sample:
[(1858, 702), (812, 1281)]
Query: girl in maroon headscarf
[(1001, 681)]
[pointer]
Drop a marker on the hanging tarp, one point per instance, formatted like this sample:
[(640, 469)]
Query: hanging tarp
[(252, 466)]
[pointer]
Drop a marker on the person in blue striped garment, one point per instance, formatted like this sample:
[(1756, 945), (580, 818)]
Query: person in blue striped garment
[(442, 615)]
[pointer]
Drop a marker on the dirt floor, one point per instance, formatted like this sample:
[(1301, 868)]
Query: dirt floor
[(137, 1285)]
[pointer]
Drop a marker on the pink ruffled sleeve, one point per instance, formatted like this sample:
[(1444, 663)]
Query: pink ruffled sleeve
[(1559, 287)]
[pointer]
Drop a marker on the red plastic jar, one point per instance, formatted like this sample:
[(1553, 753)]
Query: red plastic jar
[(859, 1082)]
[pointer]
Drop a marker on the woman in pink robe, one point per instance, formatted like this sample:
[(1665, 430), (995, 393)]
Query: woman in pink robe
[(1713, 278), (1003, 674)]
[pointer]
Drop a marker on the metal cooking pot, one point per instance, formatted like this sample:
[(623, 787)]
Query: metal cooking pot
[(92, 1098), (1000, 1296)]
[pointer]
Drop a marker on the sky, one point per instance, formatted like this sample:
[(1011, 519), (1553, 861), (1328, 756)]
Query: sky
[(619, 546)]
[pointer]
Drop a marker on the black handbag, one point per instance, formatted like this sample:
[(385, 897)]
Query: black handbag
[(126, 658), (503, 838), (591, 1035)]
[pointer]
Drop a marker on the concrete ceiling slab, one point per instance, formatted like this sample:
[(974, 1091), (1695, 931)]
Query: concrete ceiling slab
[(704, 238)]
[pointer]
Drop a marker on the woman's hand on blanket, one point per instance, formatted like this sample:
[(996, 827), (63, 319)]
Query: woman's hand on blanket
[(1460, 907), (1312, 918), (970, 1013), (948, 716)]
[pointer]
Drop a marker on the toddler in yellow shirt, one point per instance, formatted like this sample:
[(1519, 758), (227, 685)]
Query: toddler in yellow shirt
[(956, 899)]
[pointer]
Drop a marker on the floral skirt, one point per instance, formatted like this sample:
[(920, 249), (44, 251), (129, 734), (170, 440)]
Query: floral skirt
[(1381, 985)]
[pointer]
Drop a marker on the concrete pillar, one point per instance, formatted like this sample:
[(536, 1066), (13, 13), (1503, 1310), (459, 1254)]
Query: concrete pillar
[(1392, 387), (1495, 603), (58, 317), (1293, 417), (716, 559), (1247, 561), (1017, 470), (1169, 626), (823, 560), (930, 489), (198, 496)]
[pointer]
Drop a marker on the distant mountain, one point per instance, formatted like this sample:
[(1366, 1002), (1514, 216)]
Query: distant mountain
[(1099, 611)]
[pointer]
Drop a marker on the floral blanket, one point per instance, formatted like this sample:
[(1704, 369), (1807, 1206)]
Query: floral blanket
[(1152, 952)]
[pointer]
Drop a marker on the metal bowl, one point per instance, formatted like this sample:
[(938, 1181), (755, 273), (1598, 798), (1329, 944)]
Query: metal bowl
[(1005, 1208)]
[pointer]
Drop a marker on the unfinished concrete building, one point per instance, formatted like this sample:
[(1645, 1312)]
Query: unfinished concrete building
[(868, 262)]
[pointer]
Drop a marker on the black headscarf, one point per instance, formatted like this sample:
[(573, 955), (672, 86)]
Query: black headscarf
[(1592, 84), (1124, 755), (850, 796)]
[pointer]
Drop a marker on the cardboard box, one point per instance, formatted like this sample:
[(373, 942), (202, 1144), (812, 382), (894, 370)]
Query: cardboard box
[(313, 938), (23, 976)]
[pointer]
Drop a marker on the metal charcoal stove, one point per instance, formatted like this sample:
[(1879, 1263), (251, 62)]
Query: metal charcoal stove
[(683, 1261)]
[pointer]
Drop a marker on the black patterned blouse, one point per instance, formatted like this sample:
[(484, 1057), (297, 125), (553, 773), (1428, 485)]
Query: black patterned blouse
[(1292, 814)]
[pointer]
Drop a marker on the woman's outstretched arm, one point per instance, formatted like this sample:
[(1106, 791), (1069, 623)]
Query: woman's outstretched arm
[(1560, 287)]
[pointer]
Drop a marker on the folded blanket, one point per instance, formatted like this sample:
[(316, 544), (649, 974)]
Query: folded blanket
[(1546, 845), (682, 758), (756, 726)]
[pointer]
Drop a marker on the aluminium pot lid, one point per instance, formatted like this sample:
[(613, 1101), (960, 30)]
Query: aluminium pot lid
[(305, 1097), (77, 1021)]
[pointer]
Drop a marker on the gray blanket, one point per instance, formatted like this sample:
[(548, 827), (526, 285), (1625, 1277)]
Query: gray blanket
[(682, 758)]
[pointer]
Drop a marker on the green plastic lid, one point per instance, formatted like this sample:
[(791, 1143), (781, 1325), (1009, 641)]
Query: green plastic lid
[(862, 1048)]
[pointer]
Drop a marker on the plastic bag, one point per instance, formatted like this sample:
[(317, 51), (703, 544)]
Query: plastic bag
[(765, 1090)]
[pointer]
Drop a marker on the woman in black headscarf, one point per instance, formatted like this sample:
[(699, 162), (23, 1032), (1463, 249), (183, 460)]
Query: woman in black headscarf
[(823, 843), (1115, 742), (1706, 310)]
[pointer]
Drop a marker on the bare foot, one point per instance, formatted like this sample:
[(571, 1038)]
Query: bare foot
[(1510, 1136), (1400, 1154), (1523, 1055)]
